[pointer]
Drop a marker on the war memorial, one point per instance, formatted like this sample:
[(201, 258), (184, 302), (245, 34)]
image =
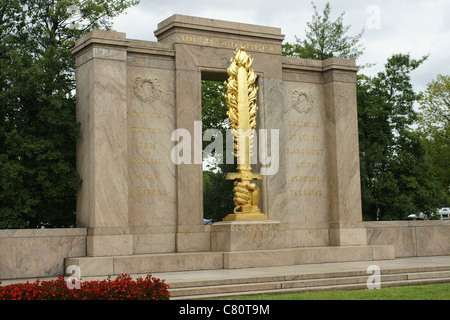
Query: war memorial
[(140, 203)]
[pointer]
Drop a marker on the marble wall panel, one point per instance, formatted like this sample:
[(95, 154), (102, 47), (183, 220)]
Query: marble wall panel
[(411, 238), (302, 195), (433, 240), (38, 253), (302, 236), (151, 113), (110, 167)]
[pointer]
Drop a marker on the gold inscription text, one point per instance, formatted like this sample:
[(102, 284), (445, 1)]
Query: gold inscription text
[(305, 179), (308, 124), (255, 227), (148, 130), (148, 192), (309, 165), (147, 161), (307, 193), (295, 137), (147, 115), (304, 151), (148, 176), (227, 43)]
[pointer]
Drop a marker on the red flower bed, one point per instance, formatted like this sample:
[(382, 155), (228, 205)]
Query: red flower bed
[(122, 288)]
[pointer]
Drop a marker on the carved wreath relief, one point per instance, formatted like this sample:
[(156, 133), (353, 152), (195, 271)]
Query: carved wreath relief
[(303, 102), (146, 90)]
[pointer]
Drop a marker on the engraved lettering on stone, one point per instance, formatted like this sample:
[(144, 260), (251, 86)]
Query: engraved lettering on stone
[(308, 124), (146, 89), (148, 192), (303, 102)]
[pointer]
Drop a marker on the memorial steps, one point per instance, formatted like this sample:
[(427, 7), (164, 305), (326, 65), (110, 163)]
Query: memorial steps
[(298, 282), (205, 275)]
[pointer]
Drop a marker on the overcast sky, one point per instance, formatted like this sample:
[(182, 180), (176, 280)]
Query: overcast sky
[(391, 26)]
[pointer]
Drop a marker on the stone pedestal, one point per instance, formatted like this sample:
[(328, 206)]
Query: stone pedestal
[(229, 236)]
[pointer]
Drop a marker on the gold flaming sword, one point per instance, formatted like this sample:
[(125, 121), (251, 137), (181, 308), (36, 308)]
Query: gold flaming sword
[(242, 108)]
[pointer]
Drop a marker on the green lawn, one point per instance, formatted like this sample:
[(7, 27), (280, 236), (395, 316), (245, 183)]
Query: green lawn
[(421, 292)]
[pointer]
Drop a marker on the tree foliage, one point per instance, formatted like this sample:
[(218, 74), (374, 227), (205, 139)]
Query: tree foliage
[(38, 130), (217, 192), (396, 177), (435, 106), (325, 39), (434, 119)]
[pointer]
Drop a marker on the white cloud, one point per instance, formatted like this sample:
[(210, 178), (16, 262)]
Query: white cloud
[(415, 26)]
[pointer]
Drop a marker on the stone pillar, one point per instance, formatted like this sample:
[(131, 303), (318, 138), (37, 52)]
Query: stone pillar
[(191, 235), (102, 200), (190, 232), (341, 123)]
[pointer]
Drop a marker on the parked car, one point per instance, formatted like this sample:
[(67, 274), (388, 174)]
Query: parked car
[(414, 217), (443, 213)]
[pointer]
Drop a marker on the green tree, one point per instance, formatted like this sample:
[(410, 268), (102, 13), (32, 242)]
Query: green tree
[(38, 130), (214, 107), (325, 39), (396, 177), (217, 195), (434, 119), (217, 192)]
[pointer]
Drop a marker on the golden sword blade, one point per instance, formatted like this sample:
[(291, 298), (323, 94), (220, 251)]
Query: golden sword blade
[(242, 109)]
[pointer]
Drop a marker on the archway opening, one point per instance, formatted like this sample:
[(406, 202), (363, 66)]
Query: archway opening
[(217, 192)]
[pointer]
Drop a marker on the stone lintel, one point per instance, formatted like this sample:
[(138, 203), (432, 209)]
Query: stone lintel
[(194, 24)]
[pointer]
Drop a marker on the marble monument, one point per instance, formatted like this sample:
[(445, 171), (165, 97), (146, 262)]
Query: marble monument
[(144, 212)]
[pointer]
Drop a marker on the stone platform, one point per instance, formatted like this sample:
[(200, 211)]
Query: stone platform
[(211, 284), (234, 245), (214, 260)]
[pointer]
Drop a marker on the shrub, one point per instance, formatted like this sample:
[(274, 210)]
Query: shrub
[(121, 288)]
